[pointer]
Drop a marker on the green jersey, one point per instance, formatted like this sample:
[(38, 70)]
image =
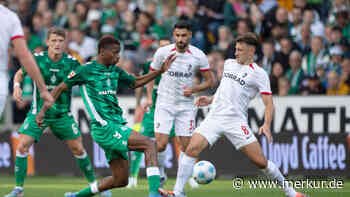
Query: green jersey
[(53, 74), (98, 86), (146, 68)]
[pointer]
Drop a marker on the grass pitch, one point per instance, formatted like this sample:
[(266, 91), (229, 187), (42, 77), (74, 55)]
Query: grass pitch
[(40, 186)]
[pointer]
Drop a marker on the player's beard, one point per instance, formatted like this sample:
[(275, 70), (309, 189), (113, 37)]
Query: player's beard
[(181, 45)]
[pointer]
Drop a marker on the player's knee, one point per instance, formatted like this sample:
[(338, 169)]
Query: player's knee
[(120, 181), (161, 146), (78, 150), (22, 148)]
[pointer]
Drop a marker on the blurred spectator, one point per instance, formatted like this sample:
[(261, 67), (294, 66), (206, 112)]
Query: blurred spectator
[(33, 41), (81, 9), (312, 86), (84, 45), (277, 73), (168, 19), (345, 74), (73, 21), (283, 86), (42, 7), (38, 26), (297, 21), (336, 54), (316, 26), (213, 10), (304, 39), (342, 19), (93, 29), (24, 11), (286, 47), (337, 6), (317, 57), (336, 36), (225, 38), (60, 17), (335, 86), (269, 56), (126, 33), (295, 74), (256, 18)]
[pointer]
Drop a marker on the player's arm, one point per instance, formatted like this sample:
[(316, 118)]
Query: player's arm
[(204, 101), (269, 109), (56, 92), (17, 90), (206, 84), (27, 60), (142, 80), (149, 93)]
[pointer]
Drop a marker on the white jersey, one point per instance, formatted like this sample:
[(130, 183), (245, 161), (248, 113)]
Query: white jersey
[(10, 29), (180, 74), (238, 86)]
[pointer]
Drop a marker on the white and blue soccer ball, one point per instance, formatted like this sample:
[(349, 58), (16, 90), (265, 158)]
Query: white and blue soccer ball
[(204, 172)]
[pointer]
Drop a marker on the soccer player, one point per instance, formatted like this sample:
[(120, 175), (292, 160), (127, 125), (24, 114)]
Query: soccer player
[(175, 101), (11, 32), (242, 80), (99, 81), (55, 65)]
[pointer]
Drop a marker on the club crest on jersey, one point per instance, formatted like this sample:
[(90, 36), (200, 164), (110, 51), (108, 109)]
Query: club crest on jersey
[(235, 78), (53, 79), (71, 74), (244, 75), (189, 68)]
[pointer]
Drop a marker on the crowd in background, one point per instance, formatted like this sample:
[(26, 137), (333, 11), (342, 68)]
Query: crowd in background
[(305, 44)]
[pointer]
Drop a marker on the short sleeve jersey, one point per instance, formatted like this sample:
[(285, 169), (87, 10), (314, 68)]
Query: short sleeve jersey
[(238, 86), (181, 73), (53, 74), (98, 86), (146, 69), (11, 29)]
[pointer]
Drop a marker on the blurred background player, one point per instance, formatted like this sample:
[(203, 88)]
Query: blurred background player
[(242, 80), (175, 101), (11, 32), (147, 126), (99, 81), (54, 65)]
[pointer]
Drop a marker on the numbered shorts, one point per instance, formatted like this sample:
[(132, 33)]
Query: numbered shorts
[(148, 124), (239, 134), (113, 139), (64, 127), (182, 119)]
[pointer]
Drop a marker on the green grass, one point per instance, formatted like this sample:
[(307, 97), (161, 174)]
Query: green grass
[(57, 186)]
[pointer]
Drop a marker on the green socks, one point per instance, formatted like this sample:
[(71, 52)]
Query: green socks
[(135, 163), (89, 191), (20, 168), (153, 179), (86, 167)]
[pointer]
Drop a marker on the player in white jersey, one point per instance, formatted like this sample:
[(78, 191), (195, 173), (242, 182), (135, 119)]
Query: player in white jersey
[(241, 81), (11, 32), (175, 102)]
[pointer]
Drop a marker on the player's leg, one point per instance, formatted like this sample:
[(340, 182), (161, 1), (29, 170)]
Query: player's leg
[(28, 134), (163, 122), (82, 158), (207, 133), (254, 152)]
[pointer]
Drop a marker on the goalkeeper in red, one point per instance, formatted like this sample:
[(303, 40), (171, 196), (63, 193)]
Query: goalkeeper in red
[(99, 81)]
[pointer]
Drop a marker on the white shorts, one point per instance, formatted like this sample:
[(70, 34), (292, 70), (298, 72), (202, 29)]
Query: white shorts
[(183, 120), (213, 128), (2, 104)]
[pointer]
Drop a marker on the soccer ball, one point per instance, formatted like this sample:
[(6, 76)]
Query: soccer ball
[(204, 172)]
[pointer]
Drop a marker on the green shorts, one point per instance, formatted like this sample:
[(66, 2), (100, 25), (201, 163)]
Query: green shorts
[(64, 127), (112, 138), (148, 125)]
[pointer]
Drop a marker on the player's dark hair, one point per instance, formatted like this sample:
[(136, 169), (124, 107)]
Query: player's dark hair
[(182, 24), (248, 38), (107, 41), (56, 30)]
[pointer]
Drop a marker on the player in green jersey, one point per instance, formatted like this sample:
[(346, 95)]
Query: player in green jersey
[(54, 65), (99, 81)]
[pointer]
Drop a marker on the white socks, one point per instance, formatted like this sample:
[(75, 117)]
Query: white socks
[(272, 172), (94, 187), (161, 163), (184, 172)]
